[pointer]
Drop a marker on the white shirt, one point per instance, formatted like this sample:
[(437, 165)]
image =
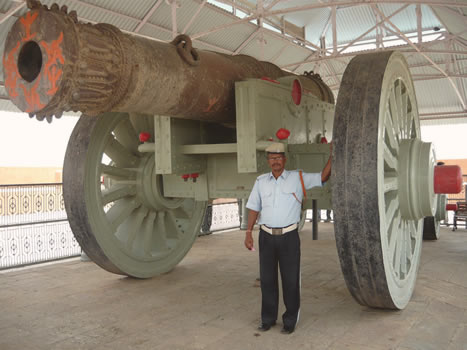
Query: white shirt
[(274, 199)]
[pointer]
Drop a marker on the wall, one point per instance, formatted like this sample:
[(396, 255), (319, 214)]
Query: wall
[(461, 162), (29, 175)]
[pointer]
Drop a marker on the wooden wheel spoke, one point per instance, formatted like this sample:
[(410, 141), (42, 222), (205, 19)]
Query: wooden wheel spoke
[(391, 211), (409, 252), (116, 192), (182, 213), (161, 232), (175, 231), (412, 128), (148, 234), (405, 116), (114, 172), (135, 227), (403, 248), (390, 183), (400, 114), (142, 123), (121, 211), (389, 158), (395, 235), (409, 125), (413, 230), (127, 136), (398, 248), (394, 111), (389, 128), (120, 155)]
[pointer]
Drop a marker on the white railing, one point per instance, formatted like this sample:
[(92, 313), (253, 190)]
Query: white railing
[(34, 226)]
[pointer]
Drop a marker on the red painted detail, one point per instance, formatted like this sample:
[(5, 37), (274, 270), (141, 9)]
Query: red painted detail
[(54, 57), (270, 80), (144, 136), (282, 134), (324, 139), (296, 92), (452, 206), (185, 177), (32, 98), (11, 71), (448, 179), (194, 175), (27, 21), (53, 75), (211, 103), (270, 139)]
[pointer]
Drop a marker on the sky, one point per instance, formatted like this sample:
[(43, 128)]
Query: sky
[(26, 142)]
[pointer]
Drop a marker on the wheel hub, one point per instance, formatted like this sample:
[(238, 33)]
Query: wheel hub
[(416, 175), (150, 187)]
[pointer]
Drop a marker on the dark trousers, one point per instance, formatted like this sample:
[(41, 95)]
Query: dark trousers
[(282, 250)]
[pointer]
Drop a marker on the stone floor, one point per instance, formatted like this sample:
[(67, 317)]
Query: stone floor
[(211, 301)]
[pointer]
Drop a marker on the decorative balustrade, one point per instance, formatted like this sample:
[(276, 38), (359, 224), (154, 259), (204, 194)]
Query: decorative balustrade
[(34, 226)]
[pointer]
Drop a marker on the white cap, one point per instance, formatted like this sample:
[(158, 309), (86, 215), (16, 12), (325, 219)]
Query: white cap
[(275, 147)]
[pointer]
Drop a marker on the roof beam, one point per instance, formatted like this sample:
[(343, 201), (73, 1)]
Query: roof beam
[(272, 4), (245, 42), (372, 28), (334, 29), (418, 12), (279, 53), (247, 19), (214, 47), (333, 72), (402, 48), (415, 77), (174, 4), (452, 13), (418, 77), (12, 11), (444, 113), (190, 22), (379, 32), (300, 65), (224, 26), (326, 26), (451, 81), (148, 15), (363, 2)]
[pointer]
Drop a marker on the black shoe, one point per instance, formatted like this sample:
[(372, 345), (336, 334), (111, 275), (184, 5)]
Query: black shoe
[(287, 330), (263, 327)]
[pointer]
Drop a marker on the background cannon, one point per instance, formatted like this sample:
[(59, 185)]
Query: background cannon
[(167, 127)]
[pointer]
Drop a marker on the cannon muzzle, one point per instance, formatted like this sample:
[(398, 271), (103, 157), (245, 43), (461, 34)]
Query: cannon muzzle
[(53, 63)]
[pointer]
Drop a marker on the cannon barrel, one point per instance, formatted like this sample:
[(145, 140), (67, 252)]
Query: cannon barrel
[(53, 63)]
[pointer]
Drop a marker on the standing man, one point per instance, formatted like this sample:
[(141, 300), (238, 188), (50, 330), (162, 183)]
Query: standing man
[(277, 197)]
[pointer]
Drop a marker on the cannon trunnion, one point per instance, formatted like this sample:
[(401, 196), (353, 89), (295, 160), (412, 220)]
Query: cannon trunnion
[(166, 128)]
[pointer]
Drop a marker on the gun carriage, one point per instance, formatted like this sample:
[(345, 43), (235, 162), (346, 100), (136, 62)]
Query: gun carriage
[(166, 127)]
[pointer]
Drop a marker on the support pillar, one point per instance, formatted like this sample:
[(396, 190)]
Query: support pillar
[(315, 219)]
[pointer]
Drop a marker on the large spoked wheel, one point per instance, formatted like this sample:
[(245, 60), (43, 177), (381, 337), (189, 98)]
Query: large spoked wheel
[(376, 148), (115, 202)]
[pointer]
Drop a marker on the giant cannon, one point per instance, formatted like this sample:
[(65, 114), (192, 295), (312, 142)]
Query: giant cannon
[(166, 127)]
